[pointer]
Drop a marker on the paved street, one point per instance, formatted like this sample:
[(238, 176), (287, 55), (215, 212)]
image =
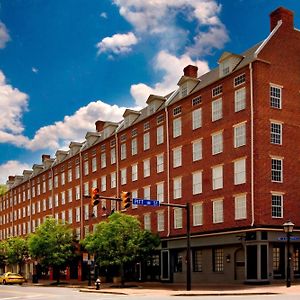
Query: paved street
[(24, 292)]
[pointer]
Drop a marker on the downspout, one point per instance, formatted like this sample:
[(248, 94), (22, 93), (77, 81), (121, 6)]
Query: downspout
[(81, 194), (252, 145), (117, 168), (168, 170), (52, 190)]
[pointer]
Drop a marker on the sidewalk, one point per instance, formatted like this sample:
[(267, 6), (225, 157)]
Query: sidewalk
[(158, 288)]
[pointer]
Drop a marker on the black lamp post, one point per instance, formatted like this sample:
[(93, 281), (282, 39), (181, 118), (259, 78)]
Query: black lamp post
[(288, 229)]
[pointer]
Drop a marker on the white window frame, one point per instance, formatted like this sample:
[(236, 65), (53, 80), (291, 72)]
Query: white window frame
[(177, 188), (217, 142), (146, 141), (177, 157), (275, 96), (123, 176), (218, 211), (277, 207), (146, 167), (216, 110), (217, 177), (159, 135), (177, 218), (134, 149), (276, 173), (198, 214), (197, 118), (103, 160), (123, 151), (240, 207), (197, 182), (159, 163), (177, 127), (240, 99), (160, 221), (113, 180), (160, 191), (197, 150), (276, 133), (239, 171), (134, 172), (239, 135)]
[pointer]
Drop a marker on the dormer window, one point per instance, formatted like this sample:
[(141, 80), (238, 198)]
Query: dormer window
[(184, 90), (151, 108)]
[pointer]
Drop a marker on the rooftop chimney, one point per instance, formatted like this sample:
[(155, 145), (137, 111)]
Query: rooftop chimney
[(99, 125), (190, 71), (283, 14), (45, 157), (11, 178)]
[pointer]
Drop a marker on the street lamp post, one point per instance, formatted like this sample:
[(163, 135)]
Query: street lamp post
[(288, 229)]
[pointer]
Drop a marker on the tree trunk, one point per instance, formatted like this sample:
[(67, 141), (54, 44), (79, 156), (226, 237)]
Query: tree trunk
[(122, 275)]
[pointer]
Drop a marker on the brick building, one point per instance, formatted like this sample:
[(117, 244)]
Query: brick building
[(226, 142)]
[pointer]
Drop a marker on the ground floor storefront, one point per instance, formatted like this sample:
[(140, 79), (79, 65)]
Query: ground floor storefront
[(247, 256)]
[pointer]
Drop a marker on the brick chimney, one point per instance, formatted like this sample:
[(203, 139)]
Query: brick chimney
[(190, 71), (11, 178), (99, 125), (283, 14), (45, 157)]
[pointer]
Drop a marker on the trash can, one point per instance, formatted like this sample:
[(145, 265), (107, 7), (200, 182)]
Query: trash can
[(35, 278)]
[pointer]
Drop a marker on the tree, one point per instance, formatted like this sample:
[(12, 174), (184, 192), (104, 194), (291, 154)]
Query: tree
[(3, 259), (52, 244), (120, 240), (3, 189), (16, 250)]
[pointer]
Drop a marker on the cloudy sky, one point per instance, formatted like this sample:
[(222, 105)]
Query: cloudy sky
[(65, 64)]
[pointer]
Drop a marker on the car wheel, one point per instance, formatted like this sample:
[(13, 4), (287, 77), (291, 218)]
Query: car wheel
[(4, 281)]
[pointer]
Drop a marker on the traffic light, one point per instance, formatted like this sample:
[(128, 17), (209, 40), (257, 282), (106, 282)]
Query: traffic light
[(95, 196), (125, 198)]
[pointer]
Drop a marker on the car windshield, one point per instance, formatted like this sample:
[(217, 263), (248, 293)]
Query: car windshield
[(13, 274)]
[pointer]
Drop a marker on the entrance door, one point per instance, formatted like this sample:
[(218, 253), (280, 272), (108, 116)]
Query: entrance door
[(278, 261), (239, 259), (165, 265)]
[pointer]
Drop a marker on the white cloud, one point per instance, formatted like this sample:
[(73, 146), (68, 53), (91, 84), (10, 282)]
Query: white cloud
[(34, 70), (172, 67), (4, 36), (12, 105), (103, 15), (117, 44), (12, 167)]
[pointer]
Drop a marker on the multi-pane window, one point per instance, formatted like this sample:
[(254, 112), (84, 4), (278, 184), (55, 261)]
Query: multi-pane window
[(197, 150), (86, 168), (77, 172), (197, 214), (147, 221), (197, 118), (63, 198), (94, 164), (276, 170), (123, 176), (276, 133), (134, 172), (86, 188), (239, 135), (197, 260), (123, 151), (177, 157), (146, 140), (218, 260), (103, 160), (277, 205), (55, 201), (240, 171), (103, 183), (146, 164), (197, 182), (77, 214), (218, 215), (147, 192), (49, 204), (160, 119), (197, 100), (134, 146), (134, 194), (217, 142), (86, 212), (177, 111), (113, 180), (275, 97), (160, 191), (177, 188), (176, 127), (55, 185), (240, 99), (160, 221), (240, 207), (112, 156), (70, 195), (77, 192), (217, 177), (216, 110), (160, 163), (239, 80), (159, 135), (69, 175), (62, 180), (177, 218), (217, 91)]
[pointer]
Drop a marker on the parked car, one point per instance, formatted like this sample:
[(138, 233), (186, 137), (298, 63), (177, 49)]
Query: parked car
[(9, 278)]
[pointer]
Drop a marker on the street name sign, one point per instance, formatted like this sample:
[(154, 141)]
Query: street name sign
[(145, 202), (293, 238)]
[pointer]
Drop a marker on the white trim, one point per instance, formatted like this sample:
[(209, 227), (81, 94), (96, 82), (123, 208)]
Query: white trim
[(277, 193), (267, 39), (276, 85), (276, 121)]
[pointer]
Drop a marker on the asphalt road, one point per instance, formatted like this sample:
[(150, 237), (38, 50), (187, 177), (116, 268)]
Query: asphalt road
[(16, 292)]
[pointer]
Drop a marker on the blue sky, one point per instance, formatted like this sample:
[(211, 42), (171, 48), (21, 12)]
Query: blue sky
[(65, 64)]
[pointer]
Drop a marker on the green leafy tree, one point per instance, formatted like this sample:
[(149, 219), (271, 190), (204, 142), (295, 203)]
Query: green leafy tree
[(3, 189), (52, 244), (3, 259), (120, 240), (16, 250)]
